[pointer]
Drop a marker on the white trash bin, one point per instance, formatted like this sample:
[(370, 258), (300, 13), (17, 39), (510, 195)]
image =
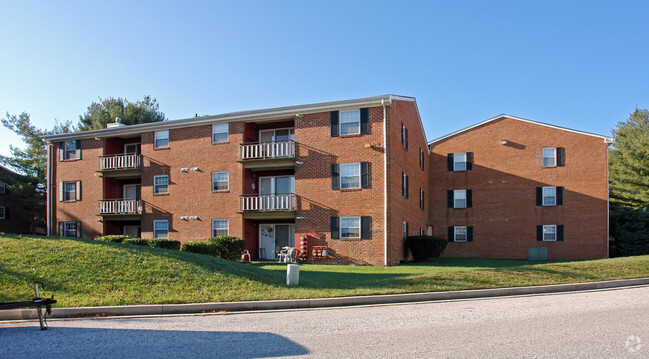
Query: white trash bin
[(292, 274)]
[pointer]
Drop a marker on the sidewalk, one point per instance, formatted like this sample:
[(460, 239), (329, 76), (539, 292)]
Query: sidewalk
[(157, 309)]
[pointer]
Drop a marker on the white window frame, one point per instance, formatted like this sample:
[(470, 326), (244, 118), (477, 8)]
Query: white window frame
[(3, 187), (550, 229), (155, 230), (553, 157), (69, 196), (3, 212), (459, 195), (70, 150), (404, 230), (458, 164), (219, 129), (159, 136), (221, 221), (215, 183), (155, 185), (457, 232), (358, 164), (346, 118), (66, 229), (356, 218), (137, 148), (553, 196)]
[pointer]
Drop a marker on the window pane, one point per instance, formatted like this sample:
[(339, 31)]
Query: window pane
[(459, 197), (549, 233), (459, 161), (220, 132), (460, 234), (69, 190), (160, 229), (219, 227), (549, 196), (350, 175), (160, 184), (70, 229), (549, 157), (350, 227), (162, 138), (350, 122), (219, 181)]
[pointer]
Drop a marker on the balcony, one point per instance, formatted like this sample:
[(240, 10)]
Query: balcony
[(121, 165), (260, 206), (124, 209), (268, 155)]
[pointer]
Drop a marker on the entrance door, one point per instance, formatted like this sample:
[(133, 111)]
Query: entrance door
[(275, 190), (274, 237), (129, 204)]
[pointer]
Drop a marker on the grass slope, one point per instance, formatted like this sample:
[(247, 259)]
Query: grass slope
[(90, 273)]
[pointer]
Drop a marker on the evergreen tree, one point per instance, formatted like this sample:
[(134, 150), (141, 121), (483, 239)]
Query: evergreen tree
[(99, 114)]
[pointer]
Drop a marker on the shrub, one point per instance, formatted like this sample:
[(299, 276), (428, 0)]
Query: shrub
[(629, 231), (165, 243), (201, 247), (136, 241), (115, 238), (424, 247), (228, 247)]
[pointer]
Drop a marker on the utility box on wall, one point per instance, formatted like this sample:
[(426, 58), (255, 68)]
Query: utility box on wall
[(538, 254)]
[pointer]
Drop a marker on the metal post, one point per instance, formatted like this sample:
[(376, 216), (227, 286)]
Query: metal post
[(39, 309)]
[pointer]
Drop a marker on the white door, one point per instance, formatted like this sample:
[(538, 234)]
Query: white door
[(133, 231), (266, 241), (130, 191), (128, 205)]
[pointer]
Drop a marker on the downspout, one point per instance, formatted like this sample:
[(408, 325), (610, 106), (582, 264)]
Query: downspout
[(48, 200), (608, 209), (385, 184)]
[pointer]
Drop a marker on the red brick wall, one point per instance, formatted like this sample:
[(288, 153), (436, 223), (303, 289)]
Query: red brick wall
[(504, 180), (402, 160)]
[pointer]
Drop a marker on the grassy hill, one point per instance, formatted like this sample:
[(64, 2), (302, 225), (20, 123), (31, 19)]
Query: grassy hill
[(91, 273)]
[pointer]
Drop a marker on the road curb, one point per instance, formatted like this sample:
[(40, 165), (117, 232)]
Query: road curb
[(157, 309)]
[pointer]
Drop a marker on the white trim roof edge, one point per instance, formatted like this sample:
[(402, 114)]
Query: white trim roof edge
[(269, 113), (607, 139)]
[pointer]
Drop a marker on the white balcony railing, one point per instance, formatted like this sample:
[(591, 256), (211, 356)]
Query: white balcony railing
[(120, 206), (120, 162), (265, 150), (268, 202)]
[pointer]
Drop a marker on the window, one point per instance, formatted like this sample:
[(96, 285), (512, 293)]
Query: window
[(70, 191), (459, 162), (160, 184), (421, 158), (219, 227), (70, 150), (161, 139), (405, 230), (350, 122), (70, 229), (350, 175), (3, 187), (459, 198), (350, 227), (549, 233), (421, 199), (549, 196), (549, 157), (220, 181), (404, 136), (404, 185), (3, 213), (161, 229), (220, 132), (460, 234)]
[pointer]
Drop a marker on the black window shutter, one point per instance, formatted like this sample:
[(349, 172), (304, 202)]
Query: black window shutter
[(403, 134), (449, 198), (335, 229), (539, 233), (6, 212), (406, 138), (539, 196), (365, 227), (403, 184), (559, 191), (365, 120), (469, 234), (61, 151), (335, 176), (469, 161), (78, 229), (334, 124), (365, 175), (407, 188), (561, 156), (77, 154), (449, 161), (469, 199), (451, 234), (560, 232), (61, 234)]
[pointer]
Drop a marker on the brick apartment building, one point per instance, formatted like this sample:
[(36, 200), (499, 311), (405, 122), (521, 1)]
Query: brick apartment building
[(356, 176), (15, 217), (350, 175), (514, 188)]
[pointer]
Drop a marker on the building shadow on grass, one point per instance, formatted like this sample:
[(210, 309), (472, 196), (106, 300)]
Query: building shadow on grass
[(29, 342)]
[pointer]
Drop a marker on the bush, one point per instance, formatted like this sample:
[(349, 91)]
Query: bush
[(228, 247), (115, 238), (424, 247), (201, 247), (629, 232), (165, 243), (136, 241)]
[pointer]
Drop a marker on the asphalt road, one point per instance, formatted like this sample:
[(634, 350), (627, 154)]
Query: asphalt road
[(597, 324)]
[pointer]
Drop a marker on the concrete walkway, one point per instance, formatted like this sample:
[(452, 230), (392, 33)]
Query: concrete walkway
[(158, 309)]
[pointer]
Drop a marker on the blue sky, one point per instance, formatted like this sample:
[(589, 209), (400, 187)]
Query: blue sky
[(578, 64)]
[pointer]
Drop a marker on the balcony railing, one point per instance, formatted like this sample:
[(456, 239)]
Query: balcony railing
[(120, 206), (120, 162), (266, 150), (268, 202)]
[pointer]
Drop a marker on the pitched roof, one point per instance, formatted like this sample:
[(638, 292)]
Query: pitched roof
[(605, 138)]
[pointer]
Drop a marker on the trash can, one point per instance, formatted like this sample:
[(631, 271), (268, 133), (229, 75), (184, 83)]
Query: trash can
[(292, 274)]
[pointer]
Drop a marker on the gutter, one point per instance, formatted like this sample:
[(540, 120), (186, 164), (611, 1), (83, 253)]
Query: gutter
[(385, 184)]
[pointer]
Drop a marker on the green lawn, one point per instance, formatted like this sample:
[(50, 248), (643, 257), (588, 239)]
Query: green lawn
[(90, 273)]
